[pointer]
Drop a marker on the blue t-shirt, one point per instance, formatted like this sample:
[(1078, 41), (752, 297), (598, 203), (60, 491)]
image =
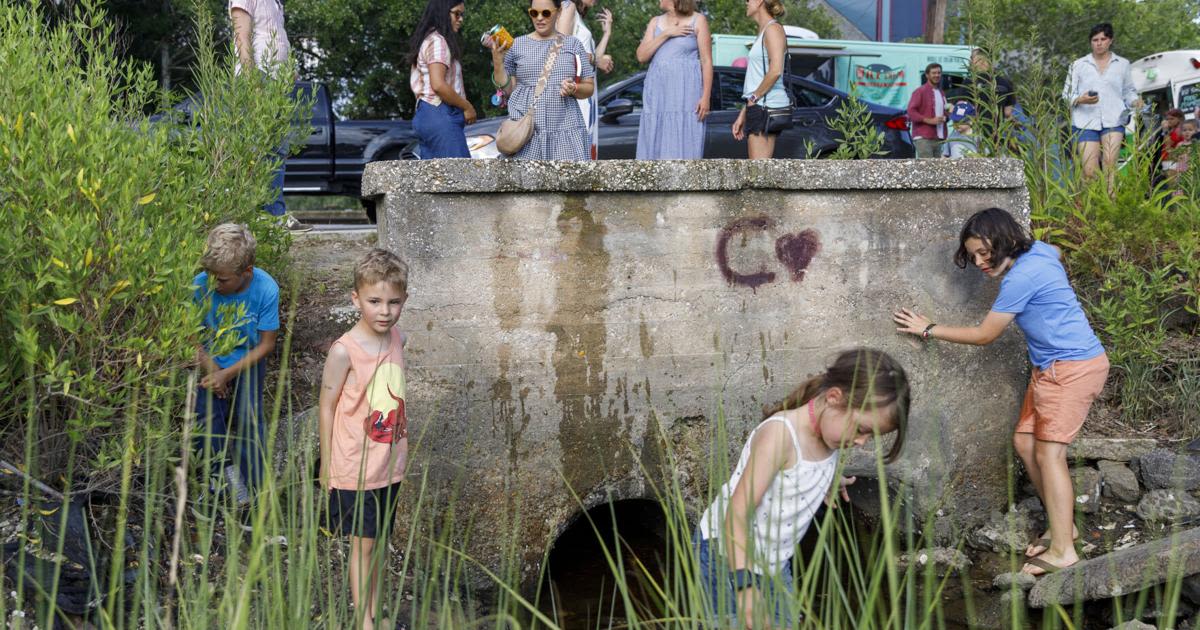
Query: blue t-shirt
[(1037, 290), (253, 310)]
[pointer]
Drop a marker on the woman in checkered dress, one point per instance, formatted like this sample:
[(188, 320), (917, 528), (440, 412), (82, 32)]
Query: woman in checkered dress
[(559, 132)]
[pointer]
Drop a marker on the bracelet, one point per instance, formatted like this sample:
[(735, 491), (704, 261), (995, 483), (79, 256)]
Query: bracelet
[(743, 579), (498, 86), (928, 331)]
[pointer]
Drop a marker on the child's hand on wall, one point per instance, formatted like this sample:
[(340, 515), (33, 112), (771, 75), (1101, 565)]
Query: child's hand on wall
[(832, 501)]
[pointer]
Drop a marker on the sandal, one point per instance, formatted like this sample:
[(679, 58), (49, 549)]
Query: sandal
[(1044, 543), (1046, 567)]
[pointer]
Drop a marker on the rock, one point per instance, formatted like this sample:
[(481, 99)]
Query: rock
[(1004, 532), (1166, 506), (1008, 596), (1119, 482), (1086, 481), (1033, 505), (1190, 589), (943, 559), (1163, 469), (1134, 625), (1121, 572), (1116, 450), (1023, 581)]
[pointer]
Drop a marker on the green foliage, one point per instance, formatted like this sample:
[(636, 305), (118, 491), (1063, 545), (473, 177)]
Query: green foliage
[(859, 138), (1053, 32), (105, 219)]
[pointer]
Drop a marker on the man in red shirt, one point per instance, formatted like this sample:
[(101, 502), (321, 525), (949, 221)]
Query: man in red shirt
[(927, 113)]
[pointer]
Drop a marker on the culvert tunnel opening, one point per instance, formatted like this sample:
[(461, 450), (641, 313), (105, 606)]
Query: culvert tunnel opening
[(584, 588)]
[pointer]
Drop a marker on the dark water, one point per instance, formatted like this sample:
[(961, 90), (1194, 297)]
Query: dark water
[(579, 590)]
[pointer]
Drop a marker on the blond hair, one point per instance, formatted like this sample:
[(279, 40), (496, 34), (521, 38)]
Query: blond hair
[(775, 8), (380, 265), (230, 247)]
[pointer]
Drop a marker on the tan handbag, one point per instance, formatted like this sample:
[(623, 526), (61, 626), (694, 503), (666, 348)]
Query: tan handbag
[(515, 134)]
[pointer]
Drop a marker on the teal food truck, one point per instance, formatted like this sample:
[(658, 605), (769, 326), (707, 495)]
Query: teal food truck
[(878, 72)]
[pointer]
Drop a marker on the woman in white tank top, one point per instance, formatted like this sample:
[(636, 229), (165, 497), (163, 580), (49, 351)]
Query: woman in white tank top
[(746, 538), (570, 20)]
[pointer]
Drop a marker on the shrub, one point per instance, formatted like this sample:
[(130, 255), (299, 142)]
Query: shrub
[(858, 137), (106, 214)]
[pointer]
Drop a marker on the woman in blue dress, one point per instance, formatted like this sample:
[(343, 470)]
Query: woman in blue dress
[(675, 96)]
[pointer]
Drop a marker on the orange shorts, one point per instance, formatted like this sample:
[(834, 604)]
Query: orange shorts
[(1058, 399)]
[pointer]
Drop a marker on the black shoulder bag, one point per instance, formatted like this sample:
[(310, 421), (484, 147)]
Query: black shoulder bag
[(779, 119)]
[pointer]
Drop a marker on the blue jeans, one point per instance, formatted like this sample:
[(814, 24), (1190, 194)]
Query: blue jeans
[(277, 207), (440, 128), (721, 598), (231, 429)]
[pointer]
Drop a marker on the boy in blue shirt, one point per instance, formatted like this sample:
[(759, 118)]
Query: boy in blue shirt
[(241, 322)]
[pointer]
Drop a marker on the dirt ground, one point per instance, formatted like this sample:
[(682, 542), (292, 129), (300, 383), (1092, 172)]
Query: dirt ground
[(322, 277)]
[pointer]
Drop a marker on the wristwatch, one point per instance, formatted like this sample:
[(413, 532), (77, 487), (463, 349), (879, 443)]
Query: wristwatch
[(743, 579), (752, 99)]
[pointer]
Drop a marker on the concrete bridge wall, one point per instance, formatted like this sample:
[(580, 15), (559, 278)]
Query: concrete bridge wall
[(566, 320)]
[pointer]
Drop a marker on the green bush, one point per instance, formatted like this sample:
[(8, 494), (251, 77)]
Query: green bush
[(105, 219), (858, 137)]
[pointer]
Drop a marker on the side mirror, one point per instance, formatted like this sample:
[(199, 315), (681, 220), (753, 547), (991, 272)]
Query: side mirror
[(615, 109)]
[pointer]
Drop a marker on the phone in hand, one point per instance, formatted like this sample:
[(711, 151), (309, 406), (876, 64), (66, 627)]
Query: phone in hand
[(1093, 93)]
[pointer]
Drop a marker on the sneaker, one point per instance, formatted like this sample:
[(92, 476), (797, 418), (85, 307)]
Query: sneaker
[(241, 494), (294, 225)]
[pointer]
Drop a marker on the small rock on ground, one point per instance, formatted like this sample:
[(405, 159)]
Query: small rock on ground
[(1119, 482), (1134, 625), (1023, 581), (1163, 469), (1112, 449), (943, 559), (1086, 481), (1166, 506), (1004, 532)]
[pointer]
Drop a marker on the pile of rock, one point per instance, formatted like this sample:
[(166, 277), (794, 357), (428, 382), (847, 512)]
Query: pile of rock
[(1155, 483)]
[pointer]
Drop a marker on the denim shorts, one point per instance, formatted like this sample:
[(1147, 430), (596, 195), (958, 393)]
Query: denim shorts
[(1092, 135), (366, 513), (720, 596)]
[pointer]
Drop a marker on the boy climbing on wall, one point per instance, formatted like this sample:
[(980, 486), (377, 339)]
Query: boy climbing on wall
[(241, 324), (363, 429)]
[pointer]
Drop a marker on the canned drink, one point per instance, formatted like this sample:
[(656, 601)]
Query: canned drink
[(499, 35)]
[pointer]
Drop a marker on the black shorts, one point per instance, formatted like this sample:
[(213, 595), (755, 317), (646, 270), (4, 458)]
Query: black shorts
[(756, 121), (366, 513)]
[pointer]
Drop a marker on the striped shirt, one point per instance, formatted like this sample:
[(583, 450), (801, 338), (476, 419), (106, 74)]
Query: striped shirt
[(434, 50), (269, 38)]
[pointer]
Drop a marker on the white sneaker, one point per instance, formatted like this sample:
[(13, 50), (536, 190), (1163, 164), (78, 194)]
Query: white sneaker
[(294, 225), (240, 493)]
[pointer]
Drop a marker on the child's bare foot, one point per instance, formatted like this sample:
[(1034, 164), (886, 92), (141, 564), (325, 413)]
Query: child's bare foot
[(1039, 546), (1047, 563)]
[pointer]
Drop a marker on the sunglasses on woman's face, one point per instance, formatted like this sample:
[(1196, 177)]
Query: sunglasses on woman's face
[(545, 13), (458, 15)]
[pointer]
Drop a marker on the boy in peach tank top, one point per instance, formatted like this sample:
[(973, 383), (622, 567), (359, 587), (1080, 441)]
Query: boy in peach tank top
[(363, 428)]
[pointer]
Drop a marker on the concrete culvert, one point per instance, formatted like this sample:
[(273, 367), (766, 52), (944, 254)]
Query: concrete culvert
[(582, 585)]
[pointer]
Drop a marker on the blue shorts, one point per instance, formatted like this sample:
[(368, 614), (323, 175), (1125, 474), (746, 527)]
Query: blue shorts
[(721, 598), (1093, 135)]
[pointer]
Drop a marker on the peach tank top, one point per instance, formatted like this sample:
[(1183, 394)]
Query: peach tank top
[(369, 448)]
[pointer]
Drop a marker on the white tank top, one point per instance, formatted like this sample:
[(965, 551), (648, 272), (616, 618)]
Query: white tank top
[(787, 507)]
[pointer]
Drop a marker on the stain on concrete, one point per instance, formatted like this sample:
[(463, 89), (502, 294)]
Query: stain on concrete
[(647, 342), (504, 416), (507, 291), (580, 385)]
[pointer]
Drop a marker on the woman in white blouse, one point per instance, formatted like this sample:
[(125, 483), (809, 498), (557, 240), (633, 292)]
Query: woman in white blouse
[(1101, 93)]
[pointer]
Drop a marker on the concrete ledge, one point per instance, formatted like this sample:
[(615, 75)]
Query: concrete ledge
[(469, 176)]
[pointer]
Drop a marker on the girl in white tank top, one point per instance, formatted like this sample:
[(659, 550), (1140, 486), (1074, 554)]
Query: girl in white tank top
[(746, 538)]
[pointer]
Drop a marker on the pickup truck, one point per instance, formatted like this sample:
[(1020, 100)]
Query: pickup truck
[(333, 157)]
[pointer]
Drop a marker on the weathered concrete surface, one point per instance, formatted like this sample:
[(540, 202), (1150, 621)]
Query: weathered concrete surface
[(1121, 572), (566, 319)]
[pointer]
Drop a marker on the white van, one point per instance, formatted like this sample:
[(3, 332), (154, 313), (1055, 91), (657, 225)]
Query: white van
[(1169, 79)]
